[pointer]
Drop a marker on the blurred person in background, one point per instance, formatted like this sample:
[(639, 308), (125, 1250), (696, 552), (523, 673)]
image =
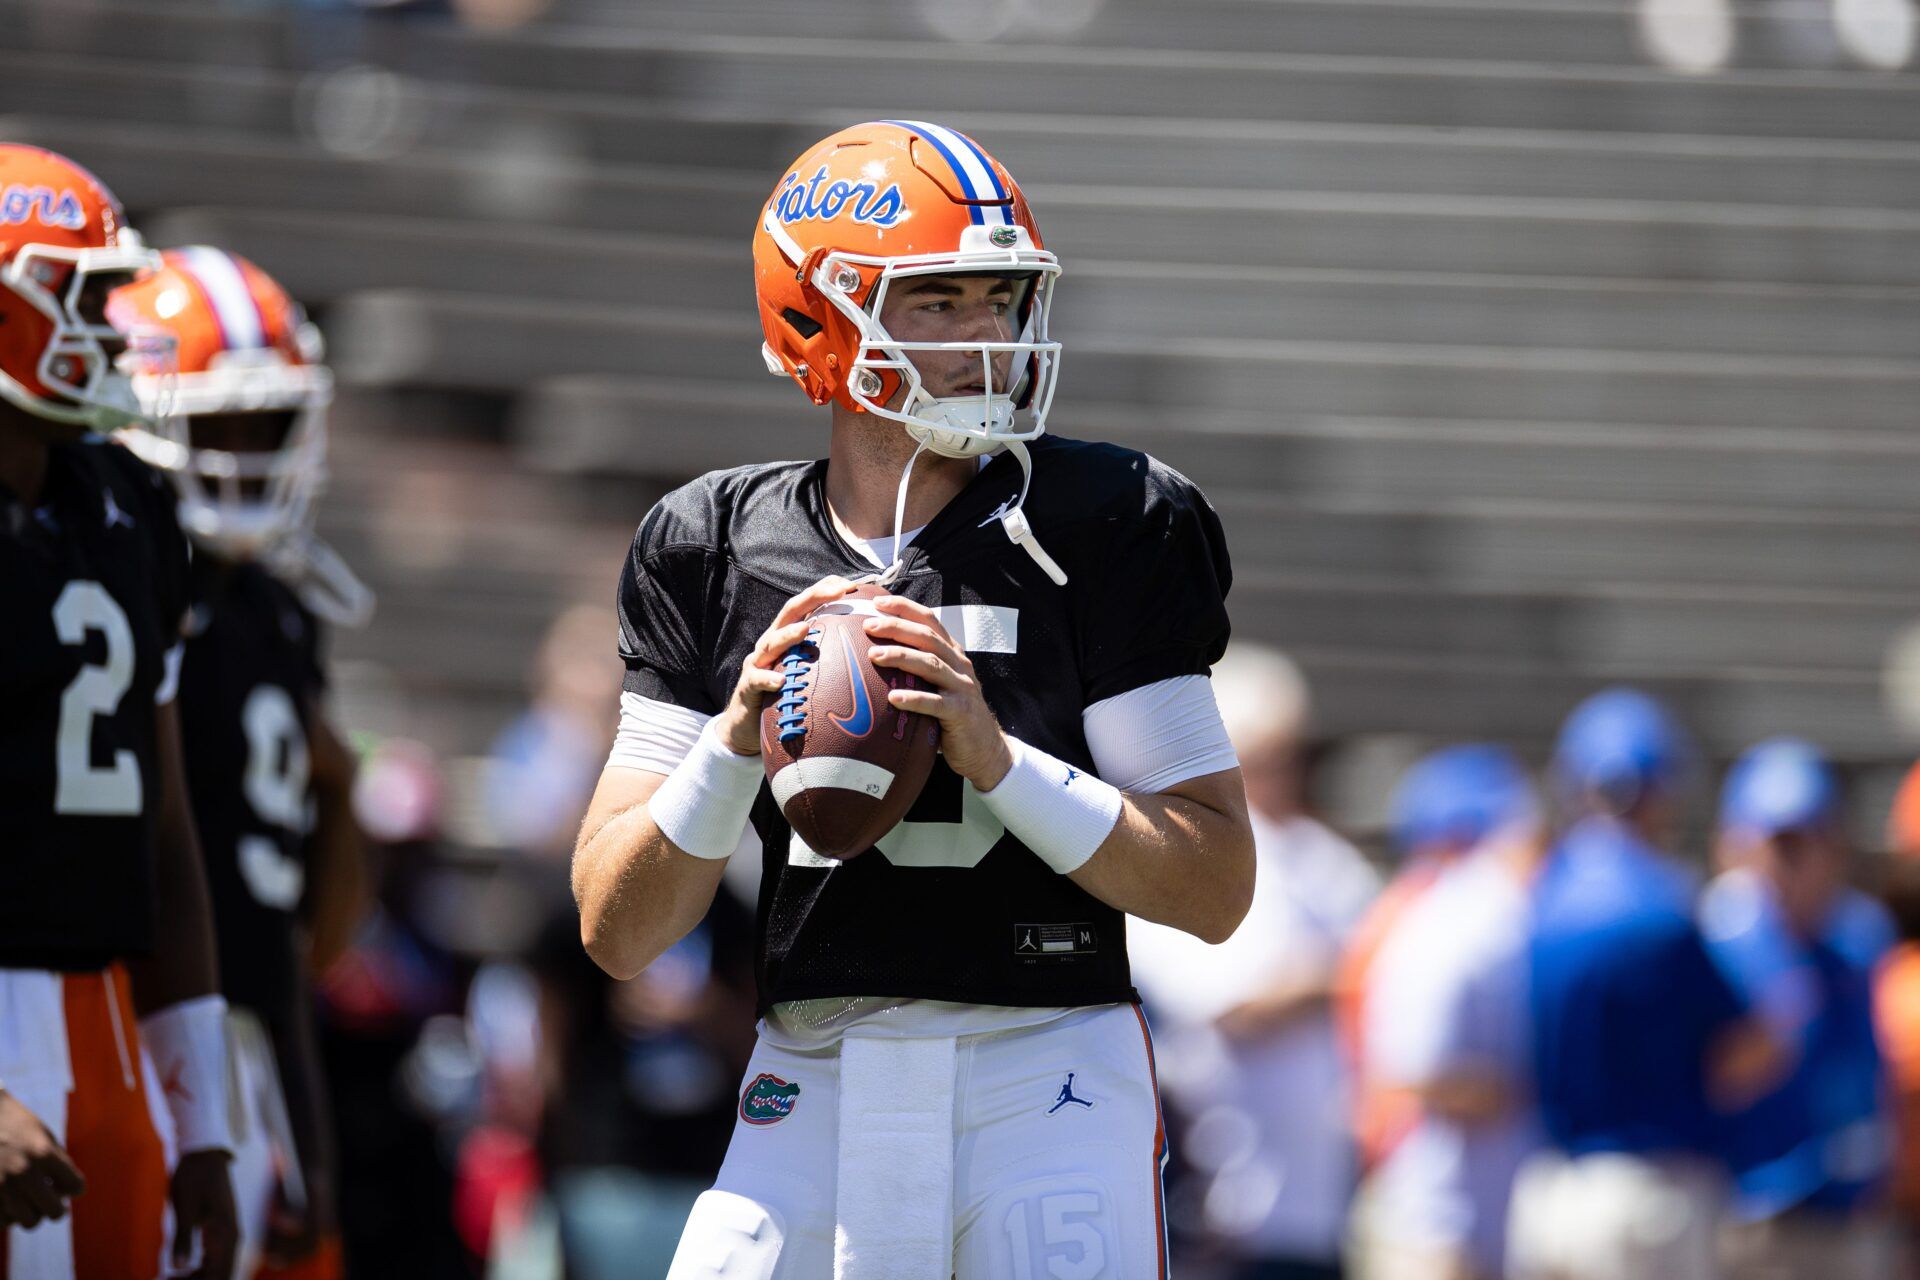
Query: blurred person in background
[(270, 778), (1447, 1025), (636, 1078), (389, 1009), (1813, 1155), (1641, 1047), (1434, 818), (104, 916), (1897, 1005), (545, 764), (1247, 1048), (640, 1078)]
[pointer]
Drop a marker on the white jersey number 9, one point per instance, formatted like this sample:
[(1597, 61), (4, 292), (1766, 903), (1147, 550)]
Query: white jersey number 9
[(276, 787)]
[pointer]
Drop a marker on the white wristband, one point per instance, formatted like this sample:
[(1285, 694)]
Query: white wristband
[(1061, 813), (703, 805), (188, 1044)]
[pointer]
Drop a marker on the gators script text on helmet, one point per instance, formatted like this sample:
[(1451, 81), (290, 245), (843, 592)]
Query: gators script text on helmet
[(63, 242), (244, 347)]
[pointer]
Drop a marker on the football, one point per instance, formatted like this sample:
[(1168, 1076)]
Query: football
[(845, 766)]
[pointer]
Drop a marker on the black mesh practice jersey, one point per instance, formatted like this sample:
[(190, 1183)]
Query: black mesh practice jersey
[(247, 688), (949, 906), (93, 585)]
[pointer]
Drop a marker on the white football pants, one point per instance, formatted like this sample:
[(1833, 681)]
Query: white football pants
[(1053, 1134)]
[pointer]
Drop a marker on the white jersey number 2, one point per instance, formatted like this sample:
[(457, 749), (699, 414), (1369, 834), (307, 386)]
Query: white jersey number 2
[(81, 786)]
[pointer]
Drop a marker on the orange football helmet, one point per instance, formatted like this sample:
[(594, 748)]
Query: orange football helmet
[(64, 242), (244, 347), (892, 199)]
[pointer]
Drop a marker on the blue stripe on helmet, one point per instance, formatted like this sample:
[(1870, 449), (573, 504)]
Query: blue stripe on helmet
[(985, 162), (953, 162)]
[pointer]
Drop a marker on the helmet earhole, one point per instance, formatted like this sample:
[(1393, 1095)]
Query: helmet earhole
[(801, 323), (867, 383)]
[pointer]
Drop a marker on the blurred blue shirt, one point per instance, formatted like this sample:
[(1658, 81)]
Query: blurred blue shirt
[(1822, 1139), (1626, 1000)]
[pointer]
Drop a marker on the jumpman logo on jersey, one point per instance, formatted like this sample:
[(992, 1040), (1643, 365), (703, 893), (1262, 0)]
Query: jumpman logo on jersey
[(114, 514), (999, 512), (1067, 1095), (1072, 773)]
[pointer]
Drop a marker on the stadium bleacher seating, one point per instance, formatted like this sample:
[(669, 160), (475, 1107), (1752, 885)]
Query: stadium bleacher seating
[(1513, 362)]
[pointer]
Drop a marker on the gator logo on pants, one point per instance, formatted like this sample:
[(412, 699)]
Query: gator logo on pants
[(768, 1100)]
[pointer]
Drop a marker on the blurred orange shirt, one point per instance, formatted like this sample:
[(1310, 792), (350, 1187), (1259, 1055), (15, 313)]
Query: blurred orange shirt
[(1381, 1116), (1896, 999)]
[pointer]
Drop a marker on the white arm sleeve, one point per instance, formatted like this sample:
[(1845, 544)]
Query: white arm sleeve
[(1159, 735), (654, 736)]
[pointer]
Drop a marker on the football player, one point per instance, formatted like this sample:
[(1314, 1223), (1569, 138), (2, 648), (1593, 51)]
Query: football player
[(104, 915), (953, 1075), (269, 777)]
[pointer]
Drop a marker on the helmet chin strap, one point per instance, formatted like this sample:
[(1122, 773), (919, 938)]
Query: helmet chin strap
[(322, 579), (1013, 518), (891, 574)]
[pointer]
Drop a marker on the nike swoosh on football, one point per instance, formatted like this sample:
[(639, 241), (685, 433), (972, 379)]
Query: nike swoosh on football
[(860, 723)]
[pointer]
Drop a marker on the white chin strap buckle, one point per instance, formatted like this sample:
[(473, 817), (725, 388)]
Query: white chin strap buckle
[(1015, 523)]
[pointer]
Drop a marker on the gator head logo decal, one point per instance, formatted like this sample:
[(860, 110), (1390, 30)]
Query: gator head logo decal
[(1003, 237), (768, 1100)]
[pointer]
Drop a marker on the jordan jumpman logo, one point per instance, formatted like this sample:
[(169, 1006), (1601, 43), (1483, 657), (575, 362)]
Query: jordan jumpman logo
[(1067, 1095)]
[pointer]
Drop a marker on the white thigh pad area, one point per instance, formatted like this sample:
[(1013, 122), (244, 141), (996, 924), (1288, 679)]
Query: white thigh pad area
[(728, 1237)]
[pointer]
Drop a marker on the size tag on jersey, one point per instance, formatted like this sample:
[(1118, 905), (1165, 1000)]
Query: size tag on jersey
[(1033, 942)]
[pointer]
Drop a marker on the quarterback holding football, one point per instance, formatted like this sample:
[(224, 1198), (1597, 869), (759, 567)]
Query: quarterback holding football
[(953, 1077)]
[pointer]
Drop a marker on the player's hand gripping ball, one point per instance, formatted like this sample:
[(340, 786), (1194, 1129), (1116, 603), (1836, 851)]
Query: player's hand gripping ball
[(845, 766)]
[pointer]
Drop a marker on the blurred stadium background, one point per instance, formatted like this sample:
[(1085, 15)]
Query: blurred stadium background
[(1524, 345)]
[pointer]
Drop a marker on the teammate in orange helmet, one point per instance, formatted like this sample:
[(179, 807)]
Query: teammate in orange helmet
[(953, 1075), (269, 777), (105, 910)]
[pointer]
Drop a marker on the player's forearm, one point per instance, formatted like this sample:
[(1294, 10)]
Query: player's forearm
[(183, 963), (303, 1082), (339, 877), (638, 894), (1178, 862)]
